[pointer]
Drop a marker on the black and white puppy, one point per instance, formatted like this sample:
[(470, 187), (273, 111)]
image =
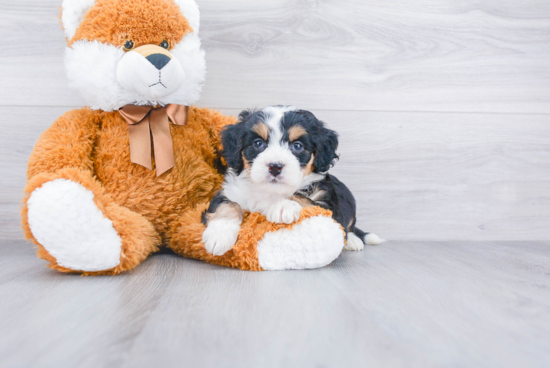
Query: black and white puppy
[(277, 161)]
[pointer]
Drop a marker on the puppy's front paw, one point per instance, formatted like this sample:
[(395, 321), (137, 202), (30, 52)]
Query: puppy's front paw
[(220, 236), (354, 243), (285, 212)]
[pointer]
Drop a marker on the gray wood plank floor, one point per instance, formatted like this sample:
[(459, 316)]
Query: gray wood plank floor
[(414, 304)]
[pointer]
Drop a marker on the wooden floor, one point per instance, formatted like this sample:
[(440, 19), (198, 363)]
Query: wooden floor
[(414, 304)]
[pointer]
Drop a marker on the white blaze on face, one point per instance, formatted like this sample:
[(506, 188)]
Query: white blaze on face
[(277, 152)]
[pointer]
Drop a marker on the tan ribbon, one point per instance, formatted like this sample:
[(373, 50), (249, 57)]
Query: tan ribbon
[(147, 121)]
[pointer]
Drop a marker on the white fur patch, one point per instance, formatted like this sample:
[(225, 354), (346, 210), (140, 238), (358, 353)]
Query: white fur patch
[(73, 12), (191, 57), (373, 239), (284, 212), (92, 71), (290, 179), (274, 117), (313, 243), (190, 11), (65, 220), (221, 235), (354, 243), (255, 198), (312, 178)]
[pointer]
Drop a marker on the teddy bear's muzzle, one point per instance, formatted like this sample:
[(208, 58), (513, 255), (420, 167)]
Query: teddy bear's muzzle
[(151, 71), (159, 61), (156, 55)]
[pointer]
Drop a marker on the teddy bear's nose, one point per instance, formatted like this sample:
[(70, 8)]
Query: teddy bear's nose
[(158, 60)]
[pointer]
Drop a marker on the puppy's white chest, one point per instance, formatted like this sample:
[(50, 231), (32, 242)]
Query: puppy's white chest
[(251, 200)]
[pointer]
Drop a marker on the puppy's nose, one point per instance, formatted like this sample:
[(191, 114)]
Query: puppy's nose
[(275, 169), (158, 60)]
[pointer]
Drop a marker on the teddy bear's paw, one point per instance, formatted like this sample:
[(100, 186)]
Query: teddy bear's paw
[(315, 242), (220, 236), (65, 220), (284, 212)]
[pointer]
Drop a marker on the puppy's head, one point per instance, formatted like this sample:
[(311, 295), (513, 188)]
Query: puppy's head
[(278, 147)]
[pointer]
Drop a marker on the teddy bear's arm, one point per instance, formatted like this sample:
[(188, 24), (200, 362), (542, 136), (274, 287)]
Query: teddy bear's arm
[(213, 122), (68, 143)]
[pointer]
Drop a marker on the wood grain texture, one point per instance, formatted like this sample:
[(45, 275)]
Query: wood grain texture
[(424, 55), (22, 127), (416, 176), (414, 304)]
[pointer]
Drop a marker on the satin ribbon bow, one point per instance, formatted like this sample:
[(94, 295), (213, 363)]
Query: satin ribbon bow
[(147, 121)]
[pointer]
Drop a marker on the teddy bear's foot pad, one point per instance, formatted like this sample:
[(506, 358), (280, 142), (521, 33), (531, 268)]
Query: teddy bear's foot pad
[(313, 243), (65, 220)]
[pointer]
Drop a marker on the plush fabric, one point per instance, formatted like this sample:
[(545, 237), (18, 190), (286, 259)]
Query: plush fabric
[(90, 210), (90, 241)]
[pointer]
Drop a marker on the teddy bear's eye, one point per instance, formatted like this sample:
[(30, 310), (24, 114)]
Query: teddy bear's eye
[(128, 45), (165, 45)]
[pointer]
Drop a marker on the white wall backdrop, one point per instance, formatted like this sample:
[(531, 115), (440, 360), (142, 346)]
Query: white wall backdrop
[(443, 106)]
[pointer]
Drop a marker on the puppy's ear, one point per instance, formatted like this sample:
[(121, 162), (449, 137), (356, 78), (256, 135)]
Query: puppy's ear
[(232, 140), (245, 114), (326, 144)]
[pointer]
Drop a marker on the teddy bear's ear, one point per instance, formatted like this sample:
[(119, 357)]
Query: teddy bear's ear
[(190, 11), (72, 14)]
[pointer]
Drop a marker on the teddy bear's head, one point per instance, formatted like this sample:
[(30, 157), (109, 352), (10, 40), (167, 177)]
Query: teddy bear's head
[(141, 52)]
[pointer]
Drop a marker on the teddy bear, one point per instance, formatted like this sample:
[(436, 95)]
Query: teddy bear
[(114, 182)]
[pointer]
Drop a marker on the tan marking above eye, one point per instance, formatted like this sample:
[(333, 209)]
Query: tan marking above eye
[(262, 130), (296, 132)]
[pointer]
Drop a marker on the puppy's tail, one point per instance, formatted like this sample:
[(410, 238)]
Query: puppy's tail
[(367, 238)]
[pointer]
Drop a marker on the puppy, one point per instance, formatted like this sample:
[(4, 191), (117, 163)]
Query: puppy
[(277, 161)]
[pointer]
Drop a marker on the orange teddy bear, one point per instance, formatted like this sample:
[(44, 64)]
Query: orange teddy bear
[(111, 184)]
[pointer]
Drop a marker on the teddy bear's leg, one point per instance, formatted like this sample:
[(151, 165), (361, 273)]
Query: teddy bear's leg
[(314, 241), (78, 227)]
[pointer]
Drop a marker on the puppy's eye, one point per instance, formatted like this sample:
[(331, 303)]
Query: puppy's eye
[(259, 144), (128, 45), (297, 146), (165, 45)]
